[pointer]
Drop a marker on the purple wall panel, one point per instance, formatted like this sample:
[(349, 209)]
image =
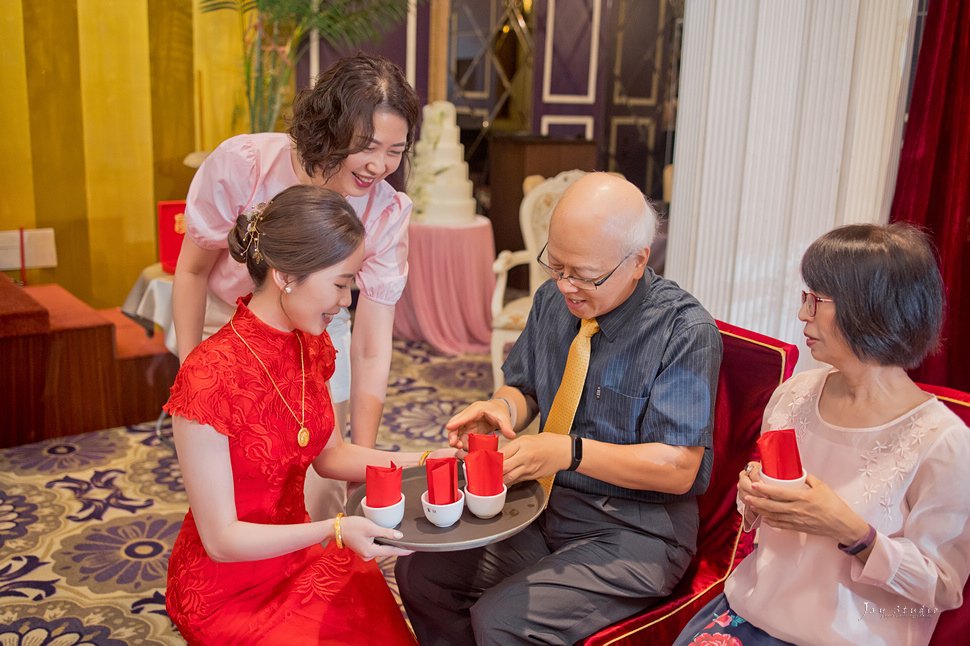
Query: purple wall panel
[(392, 46), (569, 73), (638, 60), (567, 131), (571, 48)]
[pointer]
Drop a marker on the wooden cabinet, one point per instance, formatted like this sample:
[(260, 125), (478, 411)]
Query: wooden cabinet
[(67, 368), (24, 347), (512, 158)]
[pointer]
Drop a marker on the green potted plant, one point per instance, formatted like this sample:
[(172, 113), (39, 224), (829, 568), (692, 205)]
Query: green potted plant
[(273, 34)]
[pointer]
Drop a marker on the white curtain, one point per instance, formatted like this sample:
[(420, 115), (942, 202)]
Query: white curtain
[(789, 124)]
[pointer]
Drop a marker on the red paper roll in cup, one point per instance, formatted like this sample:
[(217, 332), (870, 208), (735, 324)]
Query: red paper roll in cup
[(779, 455), (482, 442), (484, 472), (383, 485), (442, 480)]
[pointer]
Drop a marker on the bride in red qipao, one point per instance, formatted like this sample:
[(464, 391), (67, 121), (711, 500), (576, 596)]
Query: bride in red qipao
[(251, 412)]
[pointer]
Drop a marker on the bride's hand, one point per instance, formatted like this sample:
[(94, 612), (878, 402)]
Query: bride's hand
[(358, 534)]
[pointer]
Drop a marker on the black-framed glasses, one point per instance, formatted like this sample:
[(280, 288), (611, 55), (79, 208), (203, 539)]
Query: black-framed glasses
[(813, 300), (586, 284)]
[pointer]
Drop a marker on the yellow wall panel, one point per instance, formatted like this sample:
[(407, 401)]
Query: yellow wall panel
[(16, 180), (220, 94), (173, 88), (56, 127), (113, 52)]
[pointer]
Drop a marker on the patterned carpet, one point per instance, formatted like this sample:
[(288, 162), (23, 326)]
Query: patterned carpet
[(87, 522)]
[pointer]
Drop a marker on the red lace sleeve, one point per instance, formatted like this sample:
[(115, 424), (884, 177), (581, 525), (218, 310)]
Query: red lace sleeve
[(322, 356), (204, 387)]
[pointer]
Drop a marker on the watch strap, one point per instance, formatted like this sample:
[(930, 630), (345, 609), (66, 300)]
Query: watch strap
[(577, 452), (861, 544)]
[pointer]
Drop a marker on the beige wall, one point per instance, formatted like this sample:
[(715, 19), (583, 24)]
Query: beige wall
[(103, 100)]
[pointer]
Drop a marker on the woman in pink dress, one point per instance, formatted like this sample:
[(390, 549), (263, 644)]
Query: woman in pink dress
[(251, 412), (348, 133)]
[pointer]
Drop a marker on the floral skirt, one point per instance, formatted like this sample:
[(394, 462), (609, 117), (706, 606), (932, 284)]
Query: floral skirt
[(717, 625)]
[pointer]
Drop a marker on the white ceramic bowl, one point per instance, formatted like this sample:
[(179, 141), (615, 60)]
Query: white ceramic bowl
[(797, 483), (443, 515), (485, 506), (384, 516)]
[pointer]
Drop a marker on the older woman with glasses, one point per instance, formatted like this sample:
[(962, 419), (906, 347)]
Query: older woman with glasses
[(877, 542)]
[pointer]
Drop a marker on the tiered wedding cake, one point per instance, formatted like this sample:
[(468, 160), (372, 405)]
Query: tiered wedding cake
[(439, 184)]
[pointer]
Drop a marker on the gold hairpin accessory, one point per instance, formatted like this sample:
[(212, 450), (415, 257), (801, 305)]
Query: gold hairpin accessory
[(252, 233), (303, 435)]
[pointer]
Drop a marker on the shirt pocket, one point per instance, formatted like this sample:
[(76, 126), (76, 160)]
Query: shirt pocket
[(621, 413)]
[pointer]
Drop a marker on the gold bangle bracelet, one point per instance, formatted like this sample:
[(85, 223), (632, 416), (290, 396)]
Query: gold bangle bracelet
[(336, 531), (424, 457)]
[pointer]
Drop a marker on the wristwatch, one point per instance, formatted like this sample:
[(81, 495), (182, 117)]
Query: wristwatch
[(861, 544), (577, 452)]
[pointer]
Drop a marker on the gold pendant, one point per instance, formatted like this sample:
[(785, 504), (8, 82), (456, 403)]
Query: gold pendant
[(303, 437)]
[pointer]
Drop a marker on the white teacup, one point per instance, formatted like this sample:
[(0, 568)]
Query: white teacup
[(443, 515), (797, 483), (486, 506), (388, 517)]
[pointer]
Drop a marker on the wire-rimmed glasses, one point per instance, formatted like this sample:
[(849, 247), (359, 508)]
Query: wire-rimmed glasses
[(813, 300), (586, 284)]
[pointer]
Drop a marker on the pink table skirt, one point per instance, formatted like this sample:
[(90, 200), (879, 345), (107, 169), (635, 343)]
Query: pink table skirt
[(447, 298)]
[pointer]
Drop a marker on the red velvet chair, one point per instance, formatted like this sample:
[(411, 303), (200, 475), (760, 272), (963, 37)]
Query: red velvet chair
[(954, 625), (753, 366)]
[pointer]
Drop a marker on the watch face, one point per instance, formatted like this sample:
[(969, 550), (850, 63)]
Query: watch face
[(577, 452)]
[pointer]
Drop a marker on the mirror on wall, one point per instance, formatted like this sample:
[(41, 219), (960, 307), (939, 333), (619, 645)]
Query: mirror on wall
[(552, 85), (490, 59), (604, 71)]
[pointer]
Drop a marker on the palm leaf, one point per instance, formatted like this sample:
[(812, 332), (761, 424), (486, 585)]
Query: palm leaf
[(272, 30)]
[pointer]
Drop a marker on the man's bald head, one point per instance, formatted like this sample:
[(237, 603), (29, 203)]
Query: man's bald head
[(606, 209), (600, 231)]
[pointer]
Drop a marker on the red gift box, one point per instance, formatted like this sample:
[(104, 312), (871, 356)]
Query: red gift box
[(171, 230)]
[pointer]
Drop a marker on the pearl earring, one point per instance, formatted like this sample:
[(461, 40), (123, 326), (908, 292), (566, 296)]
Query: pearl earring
[(288, 289)]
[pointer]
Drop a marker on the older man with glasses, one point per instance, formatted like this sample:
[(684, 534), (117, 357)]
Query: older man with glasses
[(621, 365)]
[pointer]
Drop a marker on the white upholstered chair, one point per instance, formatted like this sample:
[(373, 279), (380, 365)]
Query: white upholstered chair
[(508, 318)]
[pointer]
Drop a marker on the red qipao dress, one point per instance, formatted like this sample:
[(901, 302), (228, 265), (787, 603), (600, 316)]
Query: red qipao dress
[(317, 595)]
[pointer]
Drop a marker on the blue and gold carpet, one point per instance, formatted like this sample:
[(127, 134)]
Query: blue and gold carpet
[(87, 522)]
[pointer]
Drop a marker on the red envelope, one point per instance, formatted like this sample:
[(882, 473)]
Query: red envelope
[(779, 455), (383, 485), (442, 480), (482, 442), (484, 472)]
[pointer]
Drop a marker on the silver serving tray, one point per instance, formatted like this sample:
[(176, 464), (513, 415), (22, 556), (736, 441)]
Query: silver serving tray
[(523, 504)]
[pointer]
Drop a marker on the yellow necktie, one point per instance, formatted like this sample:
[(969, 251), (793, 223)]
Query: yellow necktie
[(564, 405)]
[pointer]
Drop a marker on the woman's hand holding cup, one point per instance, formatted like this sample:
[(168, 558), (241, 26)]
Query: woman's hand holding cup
[(358, 534)]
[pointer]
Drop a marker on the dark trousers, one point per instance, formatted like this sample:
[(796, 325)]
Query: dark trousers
[(588, 561)]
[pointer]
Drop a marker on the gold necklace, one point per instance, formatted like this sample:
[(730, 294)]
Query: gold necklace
[(303, 435)]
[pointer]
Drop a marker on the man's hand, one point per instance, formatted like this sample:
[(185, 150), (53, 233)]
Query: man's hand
[(534, 456), (479, 417)]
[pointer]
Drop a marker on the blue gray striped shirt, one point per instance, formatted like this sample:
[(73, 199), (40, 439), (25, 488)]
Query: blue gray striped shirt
[(652, 374)]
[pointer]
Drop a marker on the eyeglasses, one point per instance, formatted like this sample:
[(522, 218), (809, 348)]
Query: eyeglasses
[(586, 284), (813, 300)]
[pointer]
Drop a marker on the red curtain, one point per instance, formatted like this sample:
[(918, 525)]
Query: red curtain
[(933, 187)]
